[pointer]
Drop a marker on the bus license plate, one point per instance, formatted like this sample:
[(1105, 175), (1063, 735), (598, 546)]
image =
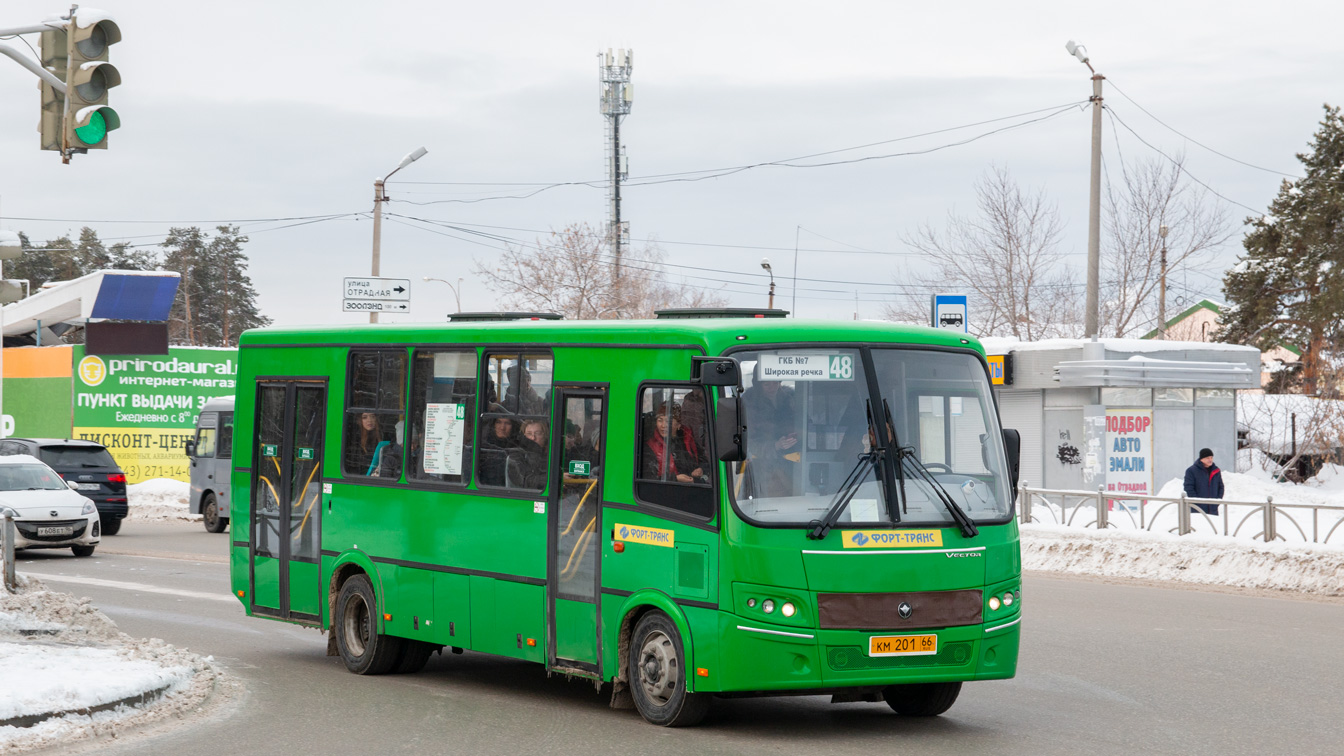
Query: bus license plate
[(56, 531), (903, 645)]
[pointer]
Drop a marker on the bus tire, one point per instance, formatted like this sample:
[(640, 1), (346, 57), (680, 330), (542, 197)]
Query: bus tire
[(414, 655), (364, 650), (210, 513), (658, 674), (922, 699)]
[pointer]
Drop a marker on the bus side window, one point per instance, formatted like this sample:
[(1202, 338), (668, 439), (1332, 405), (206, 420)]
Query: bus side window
[(224, 449), (374, 414), (674, 467), (443, 401), (515, 422), (205, 443)]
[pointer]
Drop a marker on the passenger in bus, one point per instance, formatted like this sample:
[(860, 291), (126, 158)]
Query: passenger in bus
[(389, 460), (694, 417), (666, 457), (495, 447), (363, 454), (694, 453), (772, 436), (528, 464), (520, 397)]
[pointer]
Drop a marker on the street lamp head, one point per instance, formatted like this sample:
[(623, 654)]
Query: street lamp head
[(1162, 230), (765, 263), (1076, 50), (411, 158)]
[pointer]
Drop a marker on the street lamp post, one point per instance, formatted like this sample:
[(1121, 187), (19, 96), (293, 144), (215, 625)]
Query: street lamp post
[(379, 197), (765, 263), (457, 290), (1091, 317)]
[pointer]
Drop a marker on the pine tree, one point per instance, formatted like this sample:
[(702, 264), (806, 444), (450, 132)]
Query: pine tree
[(215, 298), (1289, 286), (185, 253), (35, 265)]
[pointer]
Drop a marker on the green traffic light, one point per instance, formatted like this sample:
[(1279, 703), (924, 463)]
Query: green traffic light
[(94, 131)]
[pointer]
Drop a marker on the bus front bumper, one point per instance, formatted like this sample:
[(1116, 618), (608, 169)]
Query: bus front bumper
[(761, 657)]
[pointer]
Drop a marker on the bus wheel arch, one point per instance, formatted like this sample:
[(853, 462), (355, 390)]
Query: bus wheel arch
[(636, 607), (348, 565)]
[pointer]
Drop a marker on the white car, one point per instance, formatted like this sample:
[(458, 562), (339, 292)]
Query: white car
[(47, 513)]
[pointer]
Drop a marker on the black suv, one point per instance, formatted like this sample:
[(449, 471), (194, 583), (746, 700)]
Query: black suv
[(83, 462)]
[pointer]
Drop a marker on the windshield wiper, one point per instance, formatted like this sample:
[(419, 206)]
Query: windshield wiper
[(959, 515), (900, 474), (846, 493)]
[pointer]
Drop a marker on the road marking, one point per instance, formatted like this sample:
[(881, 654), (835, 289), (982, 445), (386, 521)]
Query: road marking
[(125, 586)]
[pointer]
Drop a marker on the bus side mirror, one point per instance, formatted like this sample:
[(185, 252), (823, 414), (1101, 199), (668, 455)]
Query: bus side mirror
[(190, 448), (1012, 447), (730, 435), (716, 371)]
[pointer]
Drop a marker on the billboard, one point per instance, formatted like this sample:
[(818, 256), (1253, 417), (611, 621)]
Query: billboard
[(143, 408), (1129, 451)]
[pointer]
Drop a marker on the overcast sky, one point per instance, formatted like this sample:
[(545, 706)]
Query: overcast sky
[(243, 111)]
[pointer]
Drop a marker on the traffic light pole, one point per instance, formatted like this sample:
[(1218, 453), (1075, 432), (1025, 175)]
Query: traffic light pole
[(23, 60)]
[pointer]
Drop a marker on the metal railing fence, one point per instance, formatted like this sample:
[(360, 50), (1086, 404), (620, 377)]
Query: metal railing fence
[(1101, 509)]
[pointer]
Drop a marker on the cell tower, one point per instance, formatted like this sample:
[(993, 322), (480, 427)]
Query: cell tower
[(617, 94)]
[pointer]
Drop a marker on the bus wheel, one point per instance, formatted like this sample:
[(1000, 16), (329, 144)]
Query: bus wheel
[(210, 510), (922, 699), (363, 649), (658, 675)]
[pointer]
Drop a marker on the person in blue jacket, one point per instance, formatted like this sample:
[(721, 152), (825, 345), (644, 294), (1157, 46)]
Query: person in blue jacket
[(1203, 480)]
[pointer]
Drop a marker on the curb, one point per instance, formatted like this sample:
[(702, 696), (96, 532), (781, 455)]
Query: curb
[(29, 720)]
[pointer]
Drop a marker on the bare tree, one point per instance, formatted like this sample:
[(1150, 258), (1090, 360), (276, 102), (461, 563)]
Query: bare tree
[(1007, 256), (1151, 194), (570, 272)]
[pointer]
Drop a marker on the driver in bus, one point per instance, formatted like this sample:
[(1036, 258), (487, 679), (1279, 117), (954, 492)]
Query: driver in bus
[(770, 416)]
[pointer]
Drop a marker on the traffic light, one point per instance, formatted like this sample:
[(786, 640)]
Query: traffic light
[(88, 77)]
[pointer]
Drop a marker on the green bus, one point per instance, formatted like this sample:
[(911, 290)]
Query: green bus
[(712, 503)]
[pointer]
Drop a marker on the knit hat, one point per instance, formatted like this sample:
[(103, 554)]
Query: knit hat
[(1205, 452)]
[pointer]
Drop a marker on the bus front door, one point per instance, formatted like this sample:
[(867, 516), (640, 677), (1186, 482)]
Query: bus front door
[(575, 513), (287, 500)]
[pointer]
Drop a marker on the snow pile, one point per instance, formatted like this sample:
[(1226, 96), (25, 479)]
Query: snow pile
[(1208, 560), (59, 653), (159, 500)]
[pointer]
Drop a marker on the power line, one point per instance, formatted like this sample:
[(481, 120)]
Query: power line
[(1117, 119), (710, 173), (183, 222)]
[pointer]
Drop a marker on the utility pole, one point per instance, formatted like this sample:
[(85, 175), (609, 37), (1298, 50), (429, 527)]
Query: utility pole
[(379, 197), (1091, 316), (617, 95), (1162, 287)]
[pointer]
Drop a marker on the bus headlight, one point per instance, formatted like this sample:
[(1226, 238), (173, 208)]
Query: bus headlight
[(788, 610), (1008, 598), (993, 603), (768, 606)]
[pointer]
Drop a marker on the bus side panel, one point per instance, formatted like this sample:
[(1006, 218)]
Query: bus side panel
[(410, 601), (508, 618), (452, 610)]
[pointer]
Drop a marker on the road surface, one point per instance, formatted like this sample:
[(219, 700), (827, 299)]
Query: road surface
[(1106, 668)]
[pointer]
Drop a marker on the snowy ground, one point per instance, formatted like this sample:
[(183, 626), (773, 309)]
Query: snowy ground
[(60, 654), (159, 500), (1223, 549)]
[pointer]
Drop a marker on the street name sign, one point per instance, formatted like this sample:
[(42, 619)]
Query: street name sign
[(368, 294)]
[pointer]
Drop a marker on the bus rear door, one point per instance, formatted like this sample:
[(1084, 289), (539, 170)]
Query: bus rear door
[(287, 499)]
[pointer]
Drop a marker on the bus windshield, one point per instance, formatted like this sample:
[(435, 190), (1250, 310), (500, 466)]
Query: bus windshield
[(812, 417)]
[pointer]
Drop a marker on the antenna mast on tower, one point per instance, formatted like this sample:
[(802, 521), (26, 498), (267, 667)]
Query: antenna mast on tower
[(617, 94)]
